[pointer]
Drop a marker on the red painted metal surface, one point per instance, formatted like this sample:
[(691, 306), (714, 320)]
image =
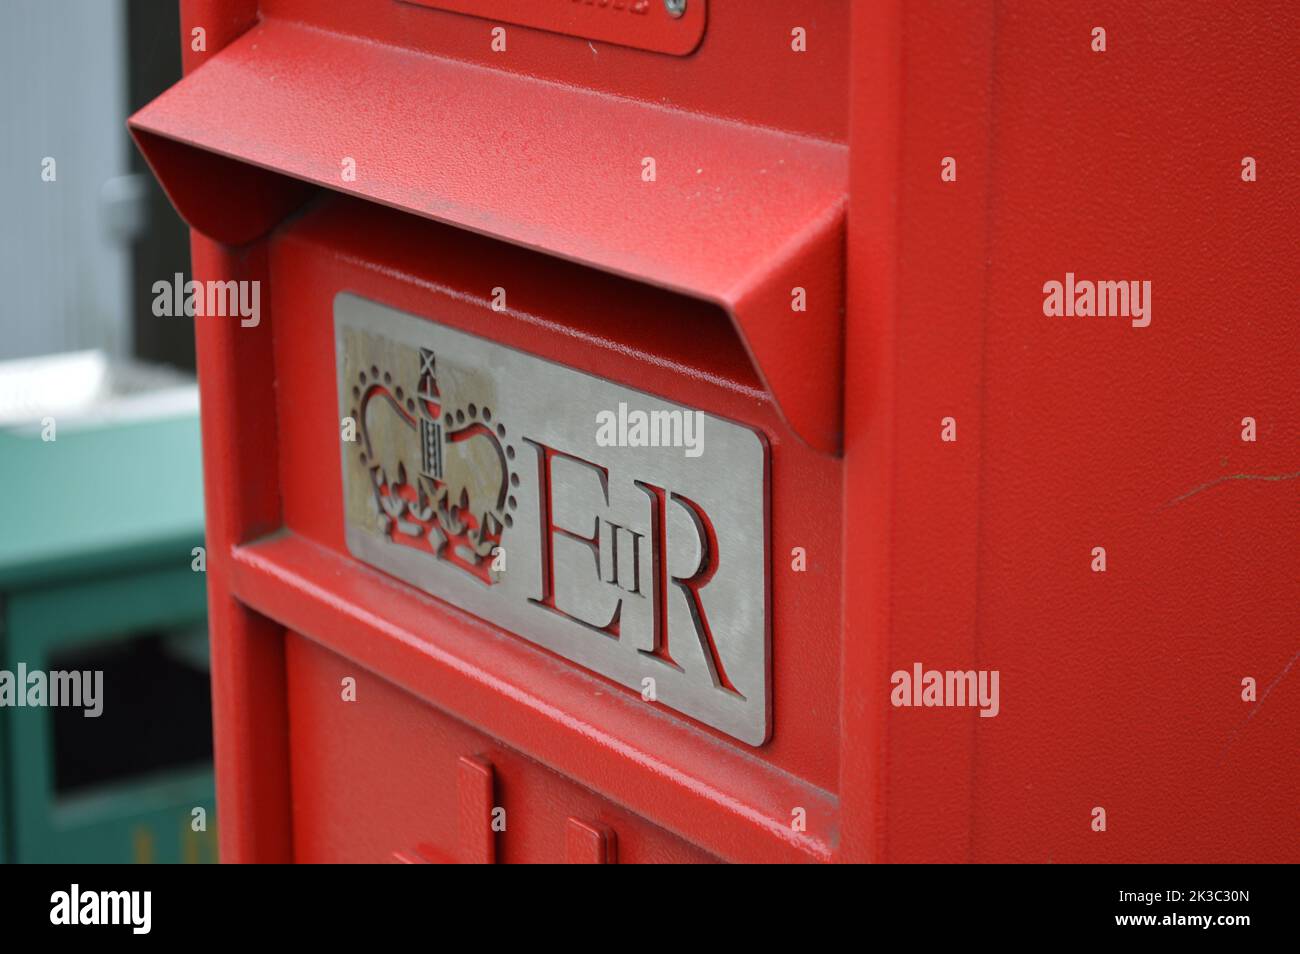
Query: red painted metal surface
[(736, 215), (1119, 689), (742, 71), (589, 844), (602, 736), (437, 808)]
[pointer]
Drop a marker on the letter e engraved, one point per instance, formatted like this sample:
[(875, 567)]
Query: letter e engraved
[(545, 455)]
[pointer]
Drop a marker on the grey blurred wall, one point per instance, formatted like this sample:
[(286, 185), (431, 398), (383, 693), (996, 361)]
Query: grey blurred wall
[(65, 267), (79, 254)]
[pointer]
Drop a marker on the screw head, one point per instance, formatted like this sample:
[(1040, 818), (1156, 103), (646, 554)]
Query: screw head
[(675, 8)]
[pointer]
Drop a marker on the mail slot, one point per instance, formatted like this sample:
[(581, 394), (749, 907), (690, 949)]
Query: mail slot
[(604, 404)]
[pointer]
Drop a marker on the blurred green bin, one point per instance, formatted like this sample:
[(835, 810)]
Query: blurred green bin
[(98, 530)]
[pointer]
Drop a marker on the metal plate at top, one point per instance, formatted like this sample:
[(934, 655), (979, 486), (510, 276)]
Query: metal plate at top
[(642, 24), (619, 530)]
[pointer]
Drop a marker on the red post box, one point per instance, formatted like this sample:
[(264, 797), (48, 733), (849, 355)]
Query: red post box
[(688, 431)]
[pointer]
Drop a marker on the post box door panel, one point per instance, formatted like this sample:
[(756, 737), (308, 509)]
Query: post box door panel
[(379, 776), (354, 568)]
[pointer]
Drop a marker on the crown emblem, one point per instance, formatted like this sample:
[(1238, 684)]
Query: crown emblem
[(442, 474)]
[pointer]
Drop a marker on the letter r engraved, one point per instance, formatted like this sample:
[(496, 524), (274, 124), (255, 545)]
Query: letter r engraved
[(690, 586)]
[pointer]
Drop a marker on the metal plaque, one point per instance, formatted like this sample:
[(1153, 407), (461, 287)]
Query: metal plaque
[(619, 530), (661, 26)]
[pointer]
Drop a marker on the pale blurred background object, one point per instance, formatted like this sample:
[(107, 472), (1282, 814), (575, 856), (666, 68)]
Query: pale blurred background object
[(101, 492), (84, 229)]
